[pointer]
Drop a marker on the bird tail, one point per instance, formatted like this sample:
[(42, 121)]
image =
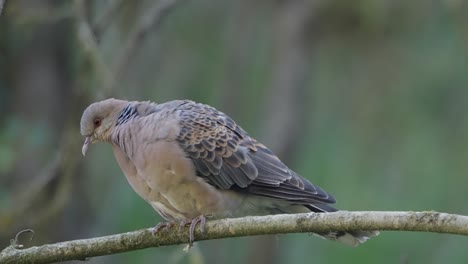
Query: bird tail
[(350, 238)]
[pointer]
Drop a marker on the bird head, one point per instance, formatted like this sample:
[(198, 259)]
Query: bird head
[(98, 121)]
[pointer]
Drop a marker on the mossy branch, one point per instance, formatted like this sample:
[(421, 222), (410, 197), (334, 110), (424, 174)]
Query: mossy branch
[(248, 226)]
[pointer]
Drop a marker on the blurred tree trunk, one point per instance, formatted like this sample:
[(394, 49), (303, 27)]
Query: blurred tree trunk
[(285, 101), (45, 107)]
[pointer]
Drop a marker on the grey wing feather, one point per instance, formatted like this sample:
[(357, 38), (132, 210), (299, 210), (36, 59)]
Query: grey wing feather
[(217, 146), (276, 180), (228, 158)]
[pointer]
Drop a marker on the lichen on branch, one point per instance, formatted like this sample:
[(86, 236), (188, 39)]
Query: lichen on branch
[(82, 249)]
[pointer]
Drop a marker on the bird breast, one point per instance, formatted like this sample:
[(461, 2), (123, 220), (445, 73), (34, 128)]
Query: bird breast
[(162, 175)]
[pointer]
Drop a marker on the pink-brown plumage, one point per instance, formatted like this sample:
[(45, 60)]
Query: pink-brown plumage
[(189, 160)]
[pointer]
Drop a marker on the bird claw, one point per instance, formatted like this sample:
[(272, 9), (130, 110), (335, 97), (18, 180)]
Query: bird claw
[(165, 226), (193, 223)]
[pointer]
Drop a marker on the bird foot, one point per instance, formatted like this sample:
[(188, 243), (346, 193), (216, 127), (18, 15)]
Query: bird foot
[(193, 223), (165, 226)]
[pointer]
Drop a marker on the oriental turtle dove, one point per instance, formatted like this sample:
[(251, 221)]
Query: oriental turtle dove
[(190, 161)]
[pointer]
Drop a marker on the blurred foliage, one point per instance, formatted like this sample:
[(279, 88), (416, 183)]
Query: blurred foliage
[(368, 99)]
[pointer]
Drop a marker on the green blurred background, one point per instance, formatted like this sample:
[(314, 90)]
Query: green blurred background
[(368, 99)]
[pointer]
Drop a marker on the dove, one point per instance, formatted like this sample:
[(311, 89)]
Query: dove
[(191, 162)]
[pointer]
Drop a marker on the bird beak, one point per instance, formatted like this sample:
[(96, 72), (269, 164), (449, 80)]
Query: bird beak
[(86, 143)]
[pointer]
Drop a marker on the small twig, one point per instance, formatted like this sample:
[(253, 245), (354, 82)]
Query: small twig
[(87, 39), (29, 193), (237, 227), (152, 18), (103, 20), (15, 242), (112, 75)]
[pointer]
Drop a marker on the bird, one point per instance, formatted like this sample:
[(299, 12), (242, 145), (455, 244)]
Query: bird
[(191, 162)]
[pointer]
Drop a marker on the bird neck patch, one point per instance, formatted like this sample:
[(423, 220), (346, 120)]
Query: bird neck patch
[(126, 114)]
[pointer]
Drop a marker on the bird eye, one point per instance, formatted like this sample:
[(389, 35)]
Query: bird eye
[(97, 122)]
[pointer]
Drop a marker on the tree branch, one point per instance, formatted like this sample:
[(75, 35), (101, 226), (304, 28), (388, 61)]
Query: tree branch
[(235, 227), (152, 18), (105, 18)]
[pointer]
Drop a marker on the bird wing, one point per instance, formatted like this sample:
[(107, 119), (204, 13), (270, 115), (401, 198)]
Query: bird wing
[(226, 157)]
